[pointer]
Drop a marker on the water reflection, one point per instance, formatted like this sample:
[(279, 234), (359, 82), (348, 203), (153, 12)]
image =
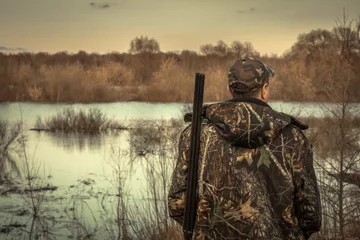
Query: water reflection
[(72, 142), (124, 198)]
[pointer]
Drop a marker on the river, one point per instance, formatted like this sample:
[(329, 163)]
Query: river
[(68, 161)]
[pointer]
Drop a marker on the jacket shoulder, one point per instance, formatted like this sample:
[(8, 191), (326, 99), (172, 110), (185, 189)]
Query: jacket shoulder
[(294, 121)]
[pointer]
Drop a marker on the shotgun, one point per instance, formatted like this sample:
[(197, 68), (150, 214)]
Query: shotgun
[(192, 182)]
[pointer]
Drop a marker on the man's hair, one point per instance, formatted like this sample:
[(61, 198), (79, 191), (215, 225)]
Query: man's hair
[(252, 94), (247, 95)]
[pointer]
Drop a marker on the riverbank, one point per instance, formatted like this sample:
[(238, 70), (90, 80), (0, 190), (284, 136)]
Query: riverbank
[(160, 77)]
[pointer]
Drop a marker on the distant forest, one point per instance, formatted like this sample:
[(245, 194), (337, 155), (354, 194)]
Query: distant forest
[(319, 65)]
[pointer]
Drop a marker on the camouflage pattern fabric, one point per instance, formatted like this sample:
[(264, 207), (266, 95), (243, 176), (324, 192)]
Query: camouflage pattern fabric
[(248, 74), (256, 178)]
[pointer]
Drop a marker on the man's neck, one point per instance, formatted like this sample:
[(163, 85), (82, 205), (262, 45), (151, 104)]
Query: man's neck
[(250, 100)]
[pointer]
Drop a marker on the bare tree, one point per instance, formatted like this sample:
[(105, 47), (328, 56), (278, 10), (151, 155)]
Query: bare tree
[(221, 49), (249, 50), (312, 45), (337, 148), (347, 36), (207, 49), (237, 48), (144, 44)]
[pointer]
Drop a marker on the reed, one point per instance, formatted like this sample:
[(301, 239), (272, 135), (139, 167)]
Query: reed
[(70, 120)]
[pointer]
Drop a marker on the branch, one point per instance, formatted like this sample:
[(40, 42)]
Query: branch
[(352, 178)]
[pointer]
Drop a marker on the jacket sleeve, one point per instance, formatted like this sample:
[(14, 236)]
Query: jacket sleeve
[(306, 198), (177, 192)]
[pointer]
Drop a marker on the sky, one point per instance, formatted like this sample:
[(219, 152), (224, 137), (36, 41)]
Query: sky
[(102, 26)]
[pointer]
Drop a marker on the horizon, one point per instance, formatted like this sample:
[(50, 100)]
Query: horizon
[(105, 27)]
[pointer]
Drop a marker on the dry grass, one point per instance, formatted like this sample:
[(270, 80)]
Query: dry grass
[(154, 145), (170, 83), (9, 134), (119, 215), (72, 121), (68, 82), (158, 77), (336, 146)]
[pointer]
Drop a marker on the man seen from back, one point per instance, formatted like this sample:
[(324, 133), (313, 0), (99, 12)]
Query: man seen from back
[(256, 178)]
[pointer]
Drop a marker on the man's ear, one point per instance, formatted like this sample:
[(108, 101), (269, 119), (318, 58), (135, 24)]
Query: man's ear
[(264, 91), (228, 89)]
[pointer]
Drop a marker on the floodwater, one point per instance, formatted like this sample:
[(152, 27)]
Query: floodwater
[(80, 166), (66, 158)]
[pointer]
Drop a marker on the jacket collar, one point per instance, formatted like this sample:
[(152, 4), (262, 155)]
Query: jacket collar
[(250, 100)]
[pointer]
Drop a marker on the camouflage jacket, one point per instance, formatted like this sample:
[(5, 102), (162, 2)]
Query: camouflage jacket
[(256, 177)]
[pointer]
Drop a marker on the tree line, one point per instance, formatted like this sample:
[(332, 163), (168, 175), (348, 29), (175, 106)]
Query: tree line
[(146, 74)]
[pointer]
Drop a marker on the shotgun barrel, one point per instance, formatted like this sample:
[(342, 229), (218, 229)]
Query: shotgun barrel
[(192, 178)]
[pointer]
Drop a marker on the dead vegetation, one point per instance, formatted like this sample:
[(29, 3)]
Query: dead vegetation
[(70, 120), (9, 149), (147, 74)]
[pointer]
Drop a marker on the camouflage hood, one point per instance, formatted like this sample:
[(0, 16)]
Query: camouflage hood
[(247, 123)]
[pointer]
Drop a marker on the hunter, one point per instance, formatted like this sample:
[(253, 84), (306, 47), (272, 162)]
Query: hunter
[(256, 178)]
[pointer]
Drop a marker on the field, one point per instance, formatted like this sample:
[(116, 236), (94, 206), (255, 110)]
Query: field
[(310, 71)]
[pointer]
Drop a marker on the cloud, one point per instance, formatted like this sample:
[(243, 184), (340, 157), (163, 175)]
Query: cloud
[(242, 11), (104, 6), (2, 48), (100, 5)]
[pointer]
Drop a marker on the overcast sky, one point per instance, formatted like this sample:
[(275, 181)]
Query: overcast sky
[(101, 26)]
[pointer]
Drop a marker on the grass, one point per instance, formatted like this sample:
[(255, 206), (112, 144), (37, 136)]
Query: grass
[(153, 146), (119, 214), (70, 120), (9, 134), (160, 77)]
